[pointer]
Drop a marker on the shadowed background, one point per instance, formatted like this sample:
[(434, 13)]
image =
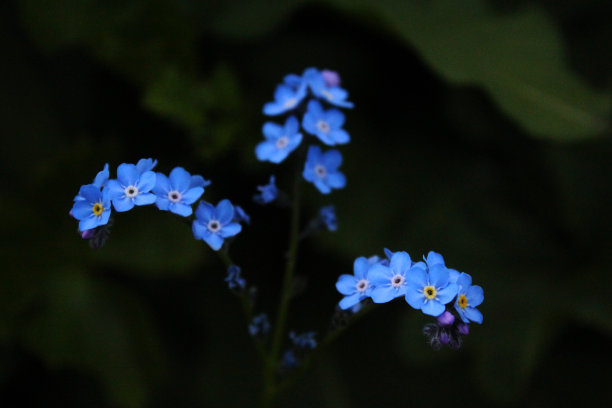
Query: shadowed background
[(481, 132)]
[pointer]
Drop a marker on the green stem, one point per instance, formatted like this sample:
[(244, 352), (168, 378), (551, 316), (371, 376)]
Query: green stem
[(271, 363)]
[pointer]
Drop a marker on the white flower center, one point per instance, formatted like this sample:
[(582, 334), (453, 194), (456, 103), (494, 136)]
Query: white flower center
[(174, 196), (290, 103), (320, 170), (214, 226), (282, 142), (323, 126), (362, 285), (131, 191), (397, 281)]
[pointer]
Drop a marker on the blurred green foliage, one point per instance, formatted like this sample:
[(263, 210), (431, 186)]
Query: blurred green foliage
[(481, 131)]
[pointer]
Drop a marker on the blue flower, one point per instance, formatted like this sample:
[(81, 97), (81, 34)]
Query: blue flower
[(289, 360), (287, 96), (233, 279), (145, 165), (325, 124), (267, 193), (280, 140), (325, 86), (429, 290), (93, 209), (213, 225), (179, 191), (99, 181), (327, 215), (355, 287), (468, 297), (240, 215), (260, 325), (390, 281), (304, 340), (131, 188), (434, 258), (321, 169)]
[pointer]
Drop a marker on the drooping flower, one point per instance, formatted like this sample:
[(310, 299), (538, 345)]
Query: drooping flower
[(468, 297), (233, 279), (355, 287), (280, 140), (144, 165), (321, 169), (131, 188), (99, 181), (287, 96), (429, 289), (179, 191), (325, 124), (325, 86), (267, 193), (390, 281), (93, 209), (214, 224), (328, 217)]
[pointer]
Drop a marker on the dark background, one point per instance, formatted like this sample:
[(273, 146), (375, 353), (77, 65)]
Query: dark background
[(480, 130)]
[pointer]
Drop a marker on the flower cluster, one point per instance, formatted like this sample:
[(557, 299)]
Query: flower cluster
[(316, 95), (426, 285), (138, 185)]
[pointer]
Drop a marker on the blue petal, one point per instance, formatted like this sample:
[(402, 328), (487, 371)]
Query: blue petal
[(82, 209), (433, 308), (145, 199), (475, 295), (336, 180), (438, 275), (180, 179), (434, 258), (127, 174), (181, 209), (447, 294), (101, 177), (473, 314), (162, 184), (350, 301), (205, 212), (230, 230), (88, 223), (346, 284), (414, 298), (383, 294), (361, 267), (400, 262), (265, 150), (123, 204), (198, 181), (272, 130), (335, 118), (199, 229), (191, 196), (339, 136), (115, 189), (315, 108), (90, 193), (465, 281), (224, 211), (146, 181), (332, 159), (416, 278), (162, 203), (291, 125), (380, 275), (321, 186), (214, 241), (453, 275)]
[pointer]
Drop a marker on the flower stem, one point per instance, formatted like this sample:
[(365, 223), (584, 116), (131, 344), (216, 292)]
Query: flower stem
[(270, 365)]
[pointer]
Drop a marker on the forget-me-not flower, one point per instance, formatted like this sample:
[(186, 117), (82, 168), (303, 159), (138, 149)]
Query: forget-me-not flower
[(267, 193), (178, 192), (233, 279), (280, 140), (287, 96), (325, 89), (214, 224), (390, 281), (434, 258), (325, 124), (429, 288), (468, 297), (94, 207), (131, 188), (321, 169), (145, 165), (260, 325), (355, 287), (99, 181), (328, 217)]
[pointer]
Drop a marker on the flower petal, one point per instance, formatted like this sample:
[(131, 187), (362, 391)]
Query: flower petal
[(379, 275), (475, 295), (230, 230), (350, 301), (414, 298), (224, 211), (447, 294), (433, 308), (383, 294), (127, 174), (180, 179), (400, 262), (346, 284), (438, 275), (473, 314)]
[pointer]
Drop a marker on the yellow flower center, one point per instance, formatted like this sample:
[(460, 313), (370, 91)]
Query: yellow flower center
[(97, 209), (462, 301), (430, 292)]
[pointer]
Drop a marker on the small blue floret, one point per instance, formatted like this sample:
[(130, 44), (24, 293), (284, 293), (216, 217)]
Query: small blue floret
[(280, 140), (325, 124), (390, 281), (356, 287), (325, 86), (267, 193), (429, 289), (321, 169), (179, 191), (131, 187), (94, 207), (328, 217), (214, 224), (287, 96), (468, 297)]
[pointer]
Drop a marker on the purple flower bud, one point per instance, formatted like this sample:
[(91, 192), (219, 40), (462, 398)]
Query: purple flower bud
[(446, 319), (463, 329), (88, 234), (331, 78), (70, 213), (444, 337)]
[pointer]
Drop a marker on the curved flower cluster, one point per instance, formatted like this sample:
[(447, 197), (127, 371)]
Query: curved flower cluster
[(316, 96), (138, 185), (426, 285)]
